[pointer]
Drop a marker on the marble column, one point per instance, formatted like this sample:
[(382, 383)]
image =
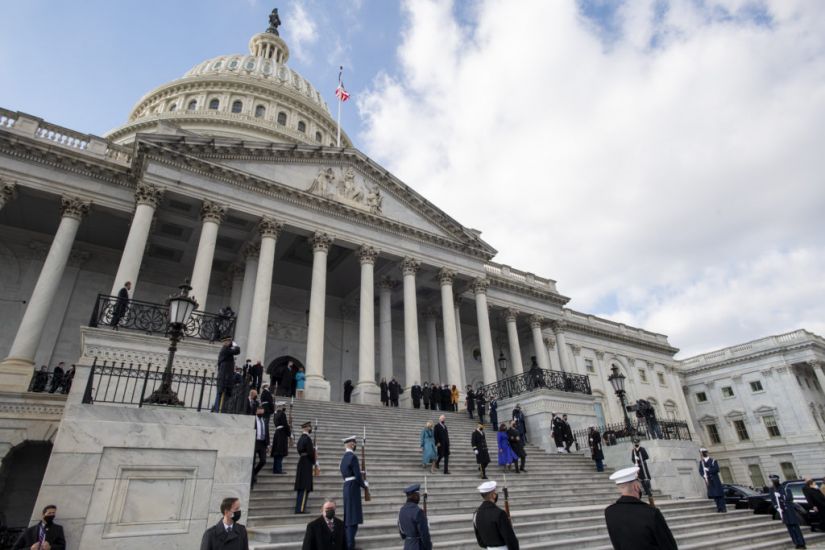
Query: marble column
[(147, 199), (516, 362), (211, 216), (446, 278), (16, 369), (538, 342), (316, 386), (366, 390), (8, 192), (412, 357), (561, 346), (385, 288), (819, 371), (259, 314), (485, 338), (430, 316), (244, 313), (463, 369)]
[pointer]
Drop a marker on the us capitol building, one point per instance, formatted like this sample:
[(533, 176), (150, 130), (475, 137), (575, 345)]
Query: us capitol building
[(229, 177)]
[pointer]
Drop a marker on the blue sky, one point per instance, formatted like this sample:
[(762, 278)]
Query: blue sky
[(661, 159)]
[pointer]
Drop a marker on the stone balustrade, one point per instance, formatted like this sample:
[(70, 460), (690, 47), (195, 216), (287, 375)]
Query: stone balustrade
[(748, 348)]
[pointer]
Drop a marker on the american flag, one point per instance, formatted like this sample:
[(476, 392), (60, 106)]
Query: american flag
[(340, 92)]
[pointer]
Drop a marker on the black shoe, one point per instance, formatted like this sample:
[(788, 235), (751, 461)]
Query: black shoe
[(447, 473), (484, 477)]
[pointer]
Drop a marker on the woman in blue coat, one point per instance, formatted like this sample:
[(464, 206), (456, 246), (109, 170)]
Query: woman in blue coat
[(428, 450), (506, 456)]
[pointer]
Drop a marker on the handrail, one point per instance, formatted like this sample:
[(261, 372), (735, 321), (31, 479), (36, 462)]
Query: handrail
[(536, 379)]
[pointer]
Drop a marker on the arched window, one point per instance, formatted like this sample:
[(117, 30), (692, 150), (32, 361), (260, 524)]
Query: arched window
[(260, 111), (172, 107), (214, 104), (192, 105), (237, 106), (282, 118), (302, 127), (318, 137)]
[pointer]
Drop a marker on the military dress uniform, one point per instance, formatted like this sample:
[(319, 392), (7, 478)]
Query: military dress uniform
[(303, 475), (479, 444), (634, 525), (492, 526), (412, 523), (353, 483)]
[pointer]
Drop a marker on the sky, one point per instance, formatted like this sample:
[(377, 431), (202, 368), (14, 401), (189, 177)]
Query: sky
[(664, 161)]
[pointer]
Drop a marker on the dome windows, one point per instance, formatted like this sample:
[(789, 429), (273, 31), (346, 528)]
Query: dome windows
[(237, 106), (192, 105), (260, 111), (214, 104), (302, 126), (282, 118), (318, 137)]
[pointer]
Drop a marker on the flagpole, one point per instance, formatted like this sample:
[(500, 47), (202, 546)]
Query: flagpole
[(339, 122)]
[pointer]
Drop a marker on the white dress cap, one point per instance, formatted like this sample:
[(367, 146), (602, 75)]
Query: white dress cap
[(350, 438), (625, 475), (487, 487)]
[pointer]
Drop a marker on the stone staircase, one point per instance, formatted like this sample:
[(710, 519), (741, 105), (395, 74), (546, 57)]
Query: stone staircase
[(557, 503)]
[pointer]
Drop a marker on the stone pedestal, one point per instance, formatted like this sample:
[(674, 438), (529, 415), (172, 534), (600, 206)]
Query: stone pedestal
[(673, 465), (316, 388), (367, 393), (15, 374)]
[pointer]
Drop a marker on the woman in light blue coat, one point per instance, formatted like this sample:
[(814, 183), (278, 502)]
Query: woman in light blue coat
[(428, 452)]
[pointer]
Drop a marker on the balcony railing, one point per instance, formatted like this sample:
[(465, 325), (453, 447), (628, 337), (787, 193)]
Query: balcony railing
[(110, 311), (536, 379), (613, 434)]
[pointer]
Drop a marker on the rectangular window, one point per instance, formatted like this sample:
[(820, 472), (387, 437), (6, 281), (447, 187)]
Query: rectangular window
[(757, 479), (771, 425), (642, 375), (701, 396), (727, 391), (588, 364), (756, 386), (724, 473), (661, 377), (713, 433), (741, 430), (788, 470)]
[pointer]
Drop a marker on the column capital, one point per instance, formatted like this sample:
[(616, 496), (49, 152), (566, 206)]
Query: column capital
[(72, 207), (575, 349), (814, 363), (480, 285), (446, 276), (536, 321), (599, 355), (212, 212), (558, 326), (320, 241), (268, 227), (387, 284), (148, 194), (511, 314), (549, 342), (251, 251), (8, 191), (410, 266), (367, 254)]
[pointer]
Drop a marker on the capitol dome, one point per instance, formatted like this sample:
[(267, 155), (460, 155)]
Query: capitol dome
[(253, 96)]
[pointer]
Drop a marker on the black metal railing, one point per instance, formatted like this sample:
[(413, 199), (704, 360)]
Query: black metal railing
[(536, 379), (50, 382), (111, 311), (613, 434)]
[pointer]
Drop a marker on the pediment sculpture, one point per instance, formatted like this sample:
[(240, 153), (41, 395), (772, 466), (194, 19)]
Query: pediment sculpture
[(347, 189)]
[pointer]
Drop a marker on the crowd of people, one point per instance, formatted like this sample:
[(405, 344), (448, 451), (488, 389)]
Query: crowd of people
[(59, 380)]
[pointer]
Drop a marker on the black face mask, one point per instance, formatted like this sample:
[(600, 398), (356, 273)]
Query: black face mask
[(309, 431), (329, 514), (415, 497), (259, 414), (236, 515), (495, 497), (48, 520)]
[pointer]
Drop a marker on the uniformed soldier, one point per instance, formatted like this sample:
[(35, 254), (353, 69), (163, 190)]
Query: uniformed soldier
[(353, 483), (306, 463), (479, 444), (639, 456), (412, 522), (632, 524), (491, 524)]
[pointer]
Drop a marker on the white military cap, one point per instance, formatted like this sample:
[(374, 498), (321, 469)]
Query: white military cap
[(280, 404), (625, 475), (703, 450), (487, 487), (350, 438)]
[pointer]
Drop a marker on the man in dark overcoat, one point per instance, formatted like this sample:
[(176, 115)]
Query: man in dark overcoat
[(45, 530), (412, 522), (226, 372), (521, 422), (395, 390), (280, 439), (632, 524), (256, 374), (121, 304), (261, 443), (471, 401), (325, 532), (227, 534), (442, 443), (415, 395), (517, 445), (306, 463), (385, 392), (426, 395), (709, 470), (481, 406), (783, 504), (479, 443), (594, 441), (353, 483), (558, 432)]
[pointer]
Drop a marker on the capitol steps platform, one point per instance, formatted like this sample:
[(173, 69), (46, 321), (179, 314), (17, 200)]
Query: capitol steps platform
[(557, 503)]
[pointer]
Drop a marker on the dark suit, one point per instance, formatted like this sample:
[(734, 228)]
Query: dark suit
[(319, 536), (261, 443), (54, 536), (121, 305), (815, 498), (225, 373), (415, 394), (633, 525), (442, 445), (218, 538)]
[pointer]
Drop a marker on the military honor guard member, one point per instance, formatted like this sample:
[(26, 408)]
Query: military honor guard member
[(412, 522), (306, 463), (353, 483), (632, 524), (492, 526), (639, 457), (479, 444), (709, 470), (783, 504), (280, 439), (325, 532)]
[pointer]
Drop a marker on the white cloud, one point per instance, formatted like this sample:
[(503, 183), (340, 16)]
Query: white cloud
[(653, 172), (303, 32)]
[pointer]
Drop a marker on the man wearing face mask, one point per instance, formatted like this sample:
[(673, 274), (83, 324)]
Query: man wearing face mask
[(261, 443), (46, 535), (353, 483), (632, 524), (492, 526), (325, 532), (227, 534), (412, 522)]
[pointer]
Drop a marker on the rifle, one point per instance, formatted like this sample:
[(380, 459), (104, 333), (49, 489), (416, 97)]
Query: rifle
[(425, 495), (316, 468), (367, 496), (506, 499), (292, 437)]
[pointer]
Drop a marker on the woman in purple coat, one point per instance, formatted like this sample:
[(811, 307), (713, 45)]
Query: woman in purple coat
[(506, 456)]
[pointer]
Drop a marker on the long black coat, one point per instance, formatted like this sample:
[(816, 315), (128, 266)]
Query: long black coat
[(306, 462), (633, 525), (442, 439), (515, 442), (54, 536), (639, 458), (594, 440), (481, 404), (426, 394), (471, 400), (217, 538), (319, 537), (384, 392), (783, 503), (493, 527), (280, 441), (479, 443), (226, 365)]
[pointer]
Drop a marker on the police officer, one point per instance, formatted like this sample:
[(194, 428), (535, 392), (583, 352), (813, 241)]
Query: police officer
[(632, 524), (412, 522), (491, 524)]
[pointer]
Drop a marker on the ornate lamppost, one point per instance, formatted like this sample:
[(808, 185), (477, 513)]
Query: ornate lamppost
[(180, 311), (502, 363), (616, 380)]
